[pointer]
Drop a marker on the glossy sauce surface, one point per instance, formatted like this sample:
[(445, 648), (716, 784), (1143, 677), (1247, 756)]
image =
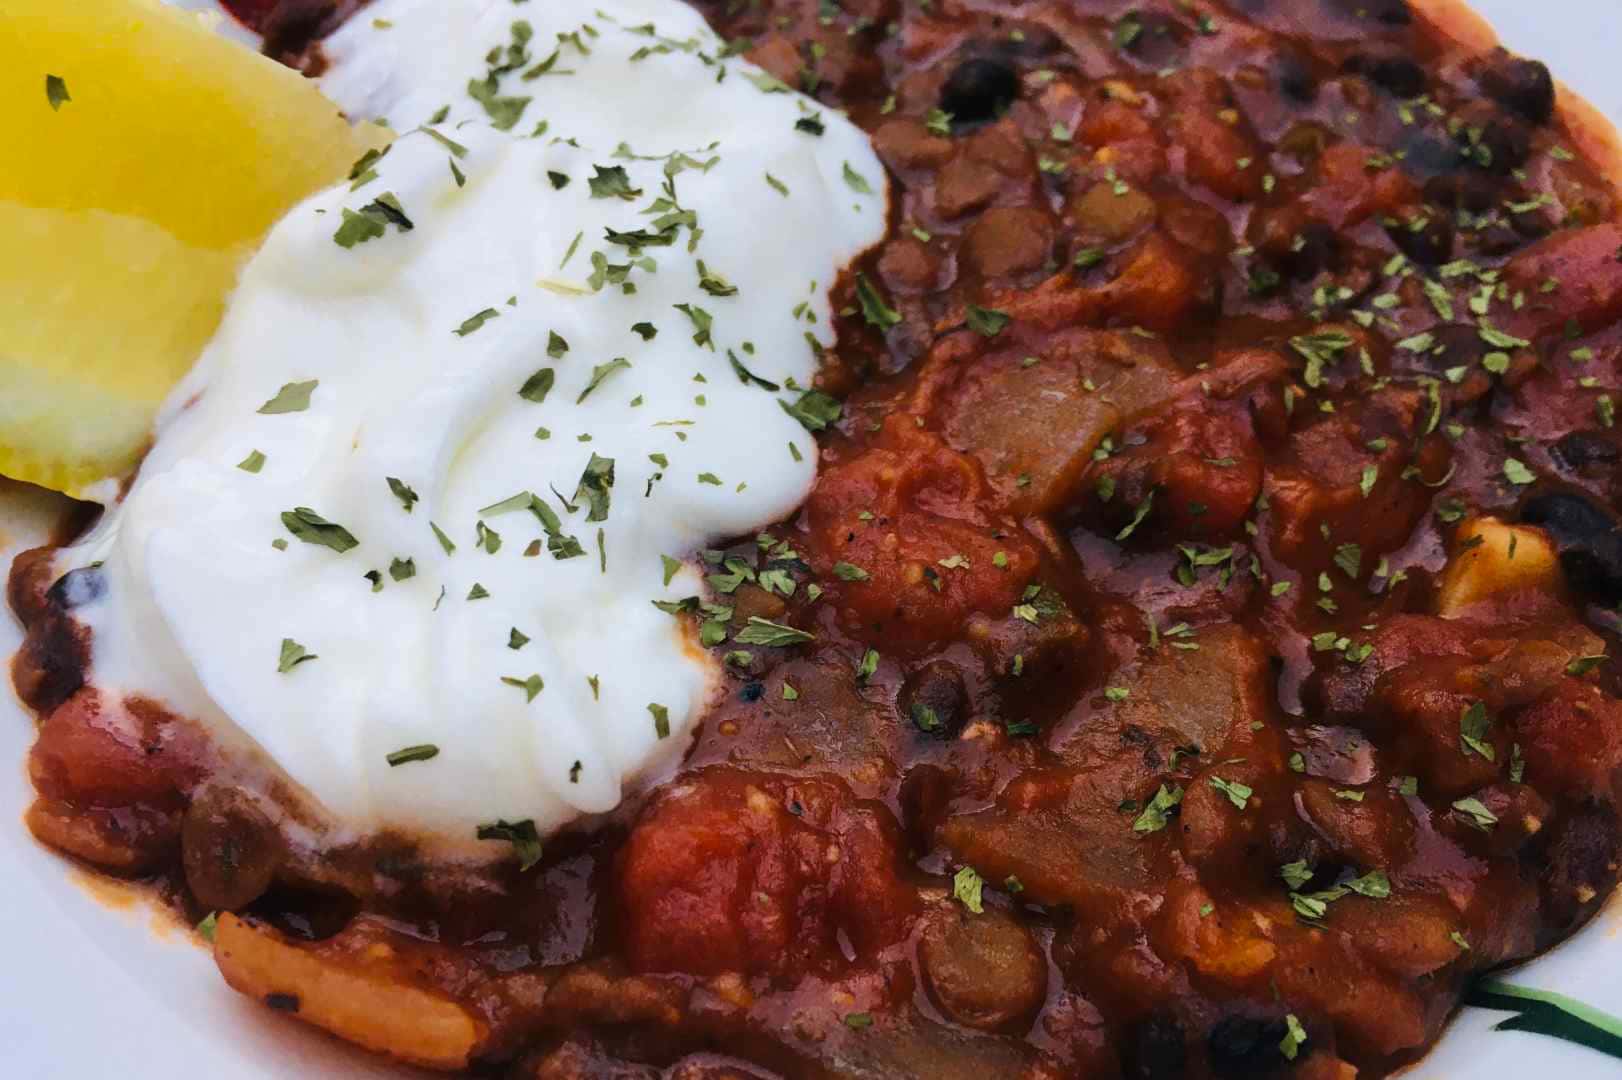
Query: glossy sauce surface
[(1151, 727)]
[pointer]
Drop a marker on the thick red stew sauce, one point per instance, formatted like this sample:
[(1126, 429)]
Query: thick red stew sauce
[(1210, 583)]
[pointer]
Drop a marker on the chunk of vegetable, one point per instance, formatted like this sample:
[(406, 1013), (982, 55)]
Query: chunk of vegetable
[(122, 843), (1227, 943), (1006, 241), (909, 512), (983, 971), (736, 872), (93, 751), (1588, 277), (1206, 698), (1572, 742), (1034, 427), (1063, 835), (363, 996), (1103, 213), (1490, 557)]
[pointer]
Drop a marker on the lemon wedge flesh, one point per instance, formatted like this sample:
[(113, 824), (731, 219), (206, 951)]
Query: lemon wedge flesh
[(146, 158)]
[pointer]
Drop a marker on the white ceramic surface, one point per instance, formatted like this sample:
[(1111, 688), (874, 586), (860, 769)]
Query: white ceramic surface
[(93, 989)]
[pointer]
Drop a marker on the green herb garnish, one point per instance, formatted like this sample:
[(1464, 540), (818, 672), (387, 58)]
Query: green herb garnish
[(422, 752), (312, 528), (292, 397), (292, 655)]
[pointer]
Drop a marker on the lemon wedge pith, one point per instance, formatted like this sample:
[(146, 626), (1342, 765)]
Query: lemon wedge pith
[(147, 158)]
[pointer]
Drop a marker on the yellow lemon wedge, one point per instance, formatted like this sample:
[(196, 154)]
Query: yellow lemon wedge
[(145, 156)]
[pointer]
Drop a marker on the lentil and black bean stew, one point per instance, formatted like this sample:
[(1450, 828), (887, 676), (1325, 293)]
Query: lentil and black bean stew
[(1203, 615)]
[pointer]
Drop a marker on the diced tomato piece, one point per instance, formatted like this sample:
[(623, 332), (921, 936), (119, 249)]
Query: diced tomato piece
[(737, 872), (1212, 150), (1572, 741), (1203, 466), (1572, 278), (905, 514), (1351, 190), (92, 753)]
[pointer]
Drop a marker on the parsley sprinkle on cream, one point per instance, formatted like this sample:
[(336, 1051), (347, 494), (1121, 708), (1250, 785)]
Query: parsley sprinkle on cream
[(422, 752), (292, 655), (473, 322), (538, 385), (396, 384), (292, 397), (312, 528), (403, 492), (522, 835), (531, 686), (858, 183), (601, 372)]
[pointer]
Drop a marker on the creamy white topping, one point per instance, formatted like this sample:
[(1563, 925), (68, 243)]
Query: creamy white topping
[(429, 348)]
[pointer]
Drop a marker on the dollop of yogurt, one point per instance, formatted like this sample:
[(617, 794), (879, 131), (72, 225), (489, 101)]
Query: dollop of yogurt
[(470, 414)]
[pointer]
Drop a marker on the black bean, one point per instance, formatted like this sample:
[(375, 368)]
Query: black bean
[(292, 27), (1429, 245), (1397, 75), (1312, 251), (1582, 856), (78, 587), (1588, 538), (1294, 78), (1462, 190), (1385, 12), (1503, 146), (1524, 87), (751, 692), (1582, 450), (1246, 1047), (305, 914), (1392, 12), (1532, 225), (1497, 239), (933, 700), (1431, 153), (1389, 12), (979, 90), (1156, 1049)]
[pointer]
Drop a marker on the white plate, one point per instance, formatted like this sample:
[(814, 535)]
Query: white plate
[(95, 988)]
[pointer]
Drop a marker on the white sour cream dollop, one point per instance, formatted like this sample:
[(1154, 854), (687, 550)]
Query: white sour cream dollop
[(544, 683)]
